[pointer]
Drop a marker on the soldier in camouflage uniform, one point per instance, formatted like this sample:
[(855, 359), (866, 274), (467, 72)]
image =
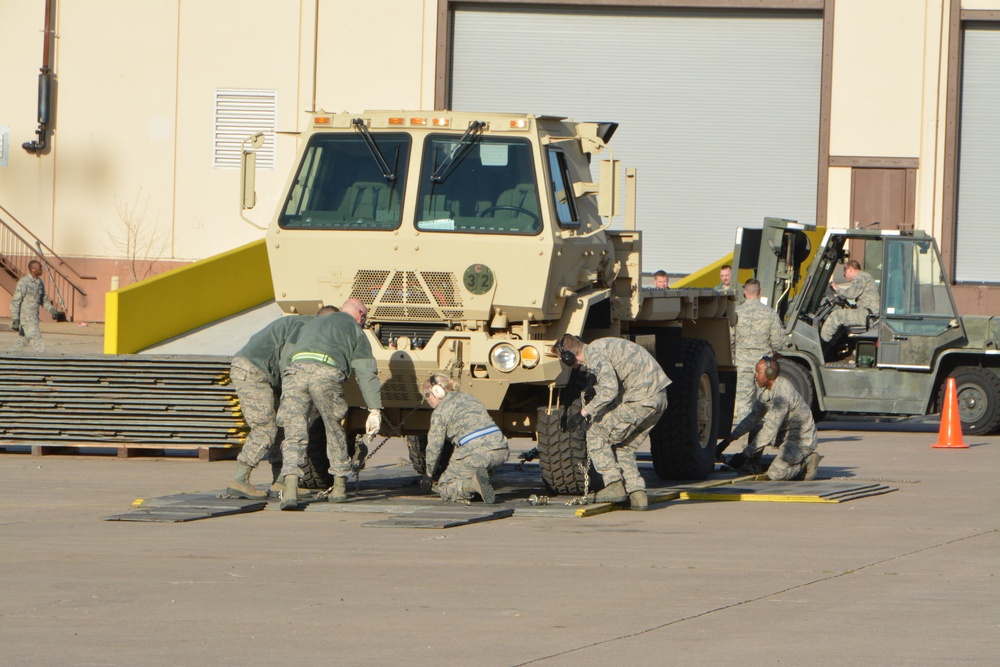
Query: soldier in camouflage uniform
[(28, 296), (863, 291), (785, 422), (726, 284), (256, 377), (479, 445), (327, 351), (630, 396), (758, 332)]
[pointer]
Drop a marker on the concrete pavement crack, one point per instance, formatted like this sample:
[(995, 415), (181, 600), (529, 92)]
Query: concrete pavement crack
[(741, 603)]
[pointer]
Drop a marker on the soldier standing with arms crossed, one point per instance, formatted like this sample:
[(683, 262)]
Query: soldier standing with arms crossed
[(758, 332), (630, 396), (327, 351)]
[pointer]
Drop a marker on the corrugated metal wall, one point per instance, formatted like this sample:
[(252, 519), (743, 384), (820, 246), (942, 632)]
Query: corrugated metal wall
[(719, 112)]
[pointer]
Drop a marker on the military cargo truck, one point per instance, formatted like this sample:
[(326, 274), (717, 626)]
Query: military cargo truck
[(477, 240), (897, 362)]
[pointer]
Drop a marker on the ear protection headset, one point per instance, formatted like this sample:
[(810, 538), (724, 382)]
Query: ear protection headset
[(565, 355), (771, 368), (437, 391)]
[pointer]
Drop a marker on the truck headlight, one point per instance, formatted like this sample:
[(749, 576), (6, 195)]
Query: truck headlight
[(529, 356), (504, 357)]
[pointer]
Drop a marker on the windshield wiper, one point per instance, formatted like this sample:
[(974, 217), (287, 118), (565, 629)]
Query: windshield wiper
[(388, 173), (465, 144)]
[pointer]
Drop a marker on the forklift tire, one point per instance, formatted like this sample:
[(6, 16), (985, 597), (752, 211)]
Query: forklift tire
[(801, 379), (978, 392), (683, 441)]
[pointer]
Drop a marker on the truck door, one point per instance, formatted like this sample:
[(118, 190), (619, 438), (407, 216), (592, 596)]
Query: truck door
[(918, 313)]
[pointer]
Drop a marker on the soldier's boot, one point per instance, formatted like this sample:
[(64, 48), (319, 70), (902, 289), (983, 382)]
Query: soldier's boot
[(339, 492), (637, 500), (812, 465), (290, 493), (277, 488), (480, 483), (240, 485), (612, 493)]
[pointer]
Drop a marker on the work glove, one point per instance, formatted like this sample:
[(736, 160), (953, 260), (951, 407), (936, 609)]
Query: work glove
[(374, 423), (16, 325), (574, 421), (721, 447), (737, 461)]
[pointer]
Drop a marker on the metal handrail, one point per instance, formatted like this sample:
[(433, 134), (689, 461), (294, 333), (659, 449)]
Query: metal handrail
[(16, 253)]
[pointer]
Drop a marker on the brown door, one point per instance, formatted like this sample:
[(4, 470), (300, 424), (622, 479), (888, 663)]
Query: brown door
[(881, 199)]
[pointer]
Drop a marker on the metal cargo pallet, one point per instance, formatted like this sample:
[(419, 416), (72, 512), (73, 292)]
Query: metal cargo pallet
[(129, 402)]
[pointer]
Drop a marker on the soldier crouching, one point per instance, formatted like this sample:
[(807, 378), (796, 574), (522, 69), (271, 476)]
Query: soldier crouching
[(479, 444)]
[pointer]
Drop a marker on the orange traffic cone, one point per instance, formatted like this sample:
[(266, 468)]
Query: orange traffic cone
[(950, 434)]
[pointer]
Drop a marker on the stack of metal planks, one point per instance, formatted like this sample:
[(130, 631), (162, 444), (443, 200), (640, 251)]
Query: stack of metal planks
[(119, 400)]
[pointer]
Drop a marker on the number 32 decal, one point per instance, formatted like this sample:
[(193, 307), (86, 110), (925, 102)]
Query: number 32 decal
[(478, 279)]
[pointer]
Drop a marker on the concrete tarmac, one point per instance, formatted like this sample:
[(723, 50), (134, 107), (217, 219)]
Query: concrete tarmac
[(907, 578)]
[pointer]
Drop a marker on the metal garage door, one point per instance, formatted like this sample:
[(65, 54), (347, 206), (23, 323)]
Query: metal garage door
[(719, 110), (977, 233)]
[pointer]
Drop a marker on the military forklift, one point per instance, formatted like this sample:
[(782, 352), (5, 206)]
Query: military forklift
[(898, 361)]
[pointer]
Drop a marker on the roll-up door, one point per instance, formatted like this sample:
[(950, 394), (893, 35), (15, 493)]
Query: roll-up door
[(719, 110), (977, 234)]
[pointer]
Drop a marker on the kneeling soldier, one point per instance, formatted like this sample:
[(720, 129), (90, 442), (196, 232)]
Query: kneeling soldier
[(479, 445)]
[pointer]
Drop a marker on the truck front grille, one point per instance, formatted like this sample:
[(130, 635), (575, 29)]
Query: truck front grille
[(408, 295)]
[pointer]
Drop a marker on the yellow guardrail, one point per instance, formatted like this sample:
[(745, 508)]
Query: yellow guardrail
[(708, 276), (186, 298)]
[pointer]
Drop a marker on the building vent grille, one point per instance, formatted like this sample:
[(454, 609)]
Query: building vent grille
[(238, 115)]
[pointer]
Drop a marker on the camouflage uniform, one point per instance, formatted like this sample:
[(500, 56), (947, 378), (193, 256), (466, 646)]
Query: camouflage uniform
[(865, 294), (630, 396), (28, 296), (785, 422), (256, 377), (758, 333), (734, 288), (328, 349), (479, 444)]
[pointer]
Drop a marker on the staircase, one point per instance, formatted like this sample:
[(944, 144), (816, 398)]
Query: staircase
[(16, 252)]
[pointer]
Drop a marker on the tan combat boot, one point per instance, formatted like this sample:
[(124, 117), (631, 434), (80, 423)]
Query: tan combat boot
[(480, 483), (240, 485), (290, 494), (339, 492), (812, 465), (637, 500), (612, 493)]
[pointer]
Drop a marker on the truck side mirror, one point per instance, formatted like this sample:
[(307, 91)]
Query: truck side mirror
[(248, 170), (609, 197), (607, 191)]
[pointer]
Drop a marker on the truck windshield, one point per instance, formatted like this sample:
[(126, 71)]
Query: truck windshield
[(340, 185), (487, 187)]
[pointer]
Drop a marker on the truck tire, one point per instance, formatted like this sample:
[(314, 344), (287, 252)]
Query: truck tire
[(562, 454), (801, 379), (417, 446), (978, 392), (683, 441), (316, 467)]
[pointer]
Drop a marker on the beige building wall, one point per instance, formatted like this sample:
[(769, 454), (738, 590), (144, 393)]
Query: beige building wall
[(134, 117)]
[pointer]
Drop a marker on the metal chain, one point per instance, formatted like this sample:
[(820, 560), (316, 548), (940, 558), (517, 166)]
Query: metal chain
[(357, 469)]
